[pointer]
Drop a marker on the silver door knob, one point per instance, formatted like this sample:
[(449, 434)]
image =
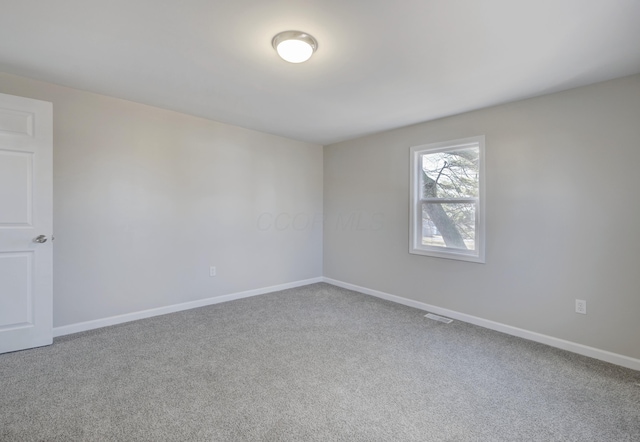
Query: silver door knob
[(40, 239)]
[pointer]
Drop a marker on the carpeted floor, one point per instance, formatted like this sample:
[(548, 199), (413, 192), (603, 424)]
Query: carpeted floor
[(317, 363)]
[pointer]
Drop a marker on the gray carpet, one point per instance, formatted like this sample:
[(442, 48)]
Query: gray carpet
[(317, 363)]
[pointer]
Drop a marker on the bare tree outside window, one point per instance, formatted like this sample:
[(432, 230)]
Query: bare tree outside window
[(449, 192), (447, 211)]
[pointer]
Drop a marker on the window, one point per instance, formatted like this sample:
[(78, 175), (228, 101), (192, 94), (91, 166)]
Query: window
[(447, 199)]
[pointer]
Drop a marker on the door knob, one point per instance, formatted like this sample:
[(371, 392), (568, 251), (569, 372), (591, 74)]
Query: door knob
[(40, 239)]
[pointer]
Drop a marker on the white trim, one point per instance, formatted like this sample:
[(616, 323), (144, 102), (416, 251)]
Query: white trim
[(603, 355), (127, 317)]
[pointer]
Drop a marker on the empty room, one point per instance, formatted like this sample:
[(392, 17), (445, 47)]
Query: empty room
[(355, 220)]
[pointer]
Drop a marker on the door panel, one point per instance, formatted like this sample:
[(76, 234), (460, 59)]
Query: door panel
[(16, 177), (15, 274), (14, 122), (26, 277)]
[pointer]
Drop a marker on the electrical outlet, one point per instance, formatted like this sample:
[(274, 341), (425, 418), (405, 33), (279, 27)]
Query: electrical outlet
[(212, 271), (581, 306)]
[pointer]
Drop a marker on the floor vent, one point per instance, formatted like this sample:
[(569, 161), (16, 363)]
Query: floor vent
[(438, 318)]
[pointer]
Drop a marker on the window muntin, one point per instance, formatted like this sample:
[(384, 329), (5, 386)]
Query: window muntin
[(447, 216)]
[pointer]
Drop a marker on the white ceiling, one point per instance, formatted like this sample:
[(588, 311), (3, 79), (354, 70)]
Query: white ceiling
[(381, 64)]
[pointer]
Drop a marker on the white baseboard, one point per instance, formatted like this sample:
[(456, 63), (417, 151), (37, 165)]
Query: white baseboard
[(113, 320), (584, 350)]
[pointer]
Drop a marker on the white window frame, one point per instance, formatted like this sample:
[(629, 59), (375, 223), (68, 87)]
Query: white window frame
[(415, 224)]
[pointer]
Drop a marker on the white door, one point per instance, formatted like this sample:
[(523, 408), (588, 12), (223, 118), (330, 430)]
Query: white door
[(26, 261)]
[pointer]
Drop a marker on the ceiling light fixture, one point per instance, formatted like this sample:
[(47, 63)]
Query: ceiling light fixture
[(294, 46)]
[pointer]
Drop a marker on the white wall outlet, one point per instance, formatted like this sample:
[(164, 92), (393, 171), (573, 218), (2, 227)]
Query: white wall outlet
[(581, 306), (212, 271)]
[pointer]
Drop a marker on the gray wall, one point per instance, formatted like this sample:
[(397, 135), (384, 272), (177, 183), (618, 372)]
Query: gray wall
[(563, 216), (145, 200)]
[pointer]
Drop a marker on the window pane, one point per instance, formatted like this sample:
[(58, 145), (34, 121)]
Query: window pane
[(452, 174), (450, 225)]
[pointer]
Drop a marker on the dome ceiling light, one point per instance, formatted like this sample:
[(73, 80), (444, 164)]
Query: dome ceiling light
[(294, 46)]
